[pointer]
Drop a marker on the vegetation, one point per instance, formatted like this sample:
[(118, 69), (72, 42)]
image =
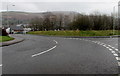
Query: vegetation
[(5, 38), (76, 33), (80, 22)]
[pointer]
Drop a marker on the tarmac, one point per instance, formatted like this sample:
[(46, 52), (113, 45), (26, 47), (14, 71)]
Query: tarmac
[(19, 39)]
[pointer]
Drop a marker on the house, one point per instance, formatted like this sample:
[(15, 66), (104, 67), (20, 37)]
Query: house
[(16, 29)]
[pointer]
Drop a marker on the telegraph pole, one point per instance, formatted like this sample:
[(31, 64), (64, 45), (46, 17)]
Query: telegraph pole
[(7, 15), (114, 19)]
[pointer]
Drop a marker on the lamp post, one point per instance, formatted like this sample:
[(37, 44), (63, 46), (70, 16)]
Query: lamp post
[(8, 15), (114, 19), (119, 15)]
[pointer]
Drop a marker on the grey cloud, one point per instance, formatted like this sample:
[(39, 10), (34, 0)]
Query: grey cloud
[(87, 7)]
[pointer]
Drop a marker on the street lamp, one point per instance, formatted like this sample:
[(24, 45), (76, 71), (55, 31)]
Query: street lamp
[(119, 15), (8, 15), (114, 19)]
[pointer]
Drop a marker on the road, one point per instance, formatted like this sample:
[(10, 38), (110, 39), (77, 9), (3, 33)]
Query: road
[(54, 55)]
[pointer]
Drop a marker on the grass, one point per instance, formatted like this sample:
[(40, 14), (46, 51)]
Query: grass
[(76, 33), (5, 38)]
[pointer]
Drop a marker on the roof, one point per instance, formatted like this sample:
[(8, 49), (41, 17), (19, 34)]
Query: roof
[(18, 28)]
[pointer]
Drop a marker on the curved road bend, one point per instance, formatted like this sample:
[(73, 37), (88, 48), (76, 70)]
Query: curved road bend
[(53, 55)]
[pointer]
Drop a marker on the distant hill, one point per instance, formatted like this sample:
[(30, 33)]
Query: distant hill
[(21, 15), (25, 17)]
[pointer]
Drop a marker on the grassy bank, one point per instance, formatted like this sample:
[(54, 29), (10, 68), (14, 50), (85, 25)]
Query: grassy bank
[(5, 38), (76, 33)]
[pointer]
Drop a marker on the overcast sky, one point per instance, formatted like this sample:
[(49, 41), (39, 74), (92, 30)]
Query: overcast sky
[(82, 6)]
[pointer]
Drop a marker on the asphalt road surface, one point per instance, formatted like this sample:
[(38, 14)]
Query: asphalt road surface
[(54, 55), (0, 60)]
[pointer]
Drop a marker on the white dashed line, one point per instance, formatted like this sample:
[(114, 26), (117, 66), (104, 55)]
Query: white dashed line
[(118, 58), (0, 65), (115, 54), (116, 49), (107, 47), (98, 43), (55, 41), (110, 49), (113, 47), (104, 45), (44, 51), (101, 44), (118, 63)]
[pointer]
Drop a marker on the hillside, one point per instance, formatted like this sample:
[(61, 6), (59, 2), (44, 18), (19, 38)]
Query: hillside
[(15, 17)]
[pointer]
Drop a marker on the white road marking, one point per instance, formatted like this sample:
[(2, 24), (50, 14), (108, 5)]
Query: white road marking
[(55, 41), (113, 47), (0, 65), (116, 49), (115, 54), (44, 51), (110, 49), (118, 58), (104, 45), (118, 63), (107, 47), (101, 43), (97, 42)]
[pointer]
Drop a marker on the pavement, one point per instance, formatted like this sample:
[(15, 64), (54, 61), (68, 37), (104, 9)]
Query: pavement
[(7, 43), (54, 55), (16, 40)]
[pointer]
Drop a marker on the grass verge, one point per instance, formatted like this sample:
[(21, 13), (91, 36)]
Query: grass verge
[(5, 38), (76, 33)]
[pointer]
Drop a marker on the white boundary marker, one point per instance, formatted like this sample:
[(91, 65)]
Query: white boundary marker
[(34, 55), (0, 65), (109, 47), (55, 41), (118, 58), (46, 50), (118, 63)]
